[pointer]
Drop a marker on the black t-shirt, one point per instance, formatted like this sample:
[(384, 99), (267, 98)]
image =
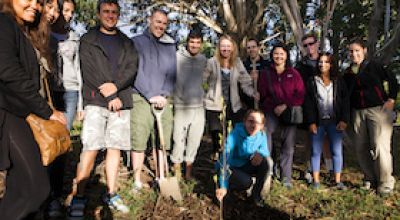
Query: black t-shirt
[(261, 64), (112, 45)]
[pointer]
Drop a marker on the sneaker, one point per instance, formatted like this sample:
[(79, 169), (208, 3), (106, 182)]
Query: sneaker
[(136, 187), (316, 186), (366, 185), (259, 203), (340, 186), (308, 177), (385, 190), (115, 202), (54, 209), (76, 210), (287, 185)]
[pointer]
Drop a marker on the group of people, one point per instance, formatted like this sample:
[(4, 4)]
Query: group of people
[(115, 84)]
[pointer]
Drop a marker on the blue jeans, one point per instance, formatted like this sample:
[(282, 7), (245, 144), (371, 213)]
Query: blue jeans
[(335, 145), (71, 103)]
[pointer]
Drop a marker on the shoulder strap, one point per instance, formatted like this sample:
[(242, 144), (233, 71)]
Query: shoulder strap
[(43, 65)]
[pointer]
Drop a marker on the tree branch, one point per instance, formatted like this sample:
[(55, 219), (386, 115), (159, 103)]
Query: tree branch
[(228, 16), (374, 23), (387, 51), (197, 13), (292, 13)]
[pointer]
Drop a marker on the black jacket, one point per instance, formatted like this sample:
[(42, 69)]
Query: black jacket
[(96, 70), (341, 105), (19, 73), (366, 88), (306, 68)]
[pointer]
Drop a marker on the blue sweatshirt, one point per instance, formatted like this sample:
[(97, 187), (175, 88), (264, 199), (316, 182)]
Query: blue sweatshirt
[(157, 65), (239, 148)]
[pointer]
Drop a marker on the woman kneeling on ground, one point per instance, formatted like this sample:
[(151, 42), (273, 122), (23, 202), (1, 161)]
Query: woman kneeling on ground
[(247, 155)]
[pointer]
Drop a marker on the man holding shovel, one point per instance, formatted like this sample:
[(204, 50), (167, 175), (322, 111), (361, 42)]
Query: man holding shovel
[(254, 64), (153, 85)]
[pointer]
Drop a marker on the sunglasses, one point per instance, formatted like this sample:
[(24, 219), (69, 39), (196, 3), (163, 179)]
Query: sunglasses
[(309, 44)]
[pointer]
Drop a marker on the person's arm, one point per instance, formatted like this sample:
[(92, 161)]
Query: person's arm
[(170, 77), (206, 76), (299, 89), (78, 72), (344, 94), (263, 148), (130, 70), (93, 74), (388, 76), (310, 115), (245, 81), (13, 76)]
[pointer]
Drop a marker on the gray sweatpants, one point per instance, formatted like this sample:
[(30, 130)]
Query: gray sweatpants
[(372, 140), (188, 131), (287, 136)]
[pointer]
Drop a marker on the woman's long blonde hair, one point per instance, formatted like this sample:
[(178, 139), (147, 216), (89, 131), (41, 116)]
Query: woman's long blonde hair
[(234, 54)]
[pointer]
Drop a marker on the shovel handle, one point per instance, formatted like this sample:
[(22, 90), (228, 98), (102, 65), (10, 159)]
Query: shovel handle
[(255, 83), (157, 114)]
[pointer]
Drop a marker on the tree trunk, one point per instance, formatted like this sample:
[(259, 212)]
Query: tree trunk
[(374, 24), (292, 12), (390, 48), (330, 8)]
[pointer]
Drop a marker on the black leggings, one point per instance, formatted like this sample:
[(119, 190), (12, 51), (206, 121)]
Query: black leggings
[(240, 178), (27, 181)]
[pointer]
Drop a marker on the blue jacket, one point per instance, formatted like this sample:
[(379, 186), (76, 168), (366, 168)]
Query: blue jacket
[(239, 148), (157, 65)]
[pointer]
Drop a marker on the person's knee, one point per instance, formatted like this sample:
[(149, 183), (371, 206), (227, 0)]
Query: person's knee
[(263, 165), (247, 183)]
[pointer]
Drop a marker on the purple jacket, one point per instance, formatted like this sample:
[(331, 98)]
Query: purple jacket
[(288, 88)]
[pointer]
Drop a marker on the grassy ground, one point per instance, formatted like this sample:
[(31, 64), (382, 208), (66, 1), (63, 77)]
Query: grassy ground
[(301, 202)]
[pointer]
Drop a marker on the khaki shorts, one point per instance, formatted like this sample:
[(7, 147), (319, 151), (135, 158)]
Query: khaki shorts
[(105, 129), (143, 125)]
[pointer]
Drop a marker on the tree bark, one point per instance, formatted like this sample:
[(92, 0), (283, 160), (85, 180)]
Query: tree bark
[(387, 51), (292, 12), (374, 23)]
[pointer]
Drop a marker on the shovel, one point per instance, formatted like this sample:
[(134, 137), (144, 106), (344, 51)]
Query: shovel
[(169, 186)]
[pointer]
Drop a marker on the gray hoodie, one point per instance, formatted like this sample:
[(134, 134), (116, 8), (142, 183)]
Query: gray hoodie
[(188, 88), (71, 74)]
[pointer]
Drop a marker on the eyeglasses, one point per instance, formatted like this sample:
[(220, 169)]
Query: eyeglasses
[(251, 47), (251, 121), (309, 44)]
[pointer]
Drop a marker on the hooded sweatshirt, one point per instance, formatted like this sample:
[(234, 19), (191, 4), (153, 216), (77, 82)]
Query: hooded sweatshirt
[(189, 76), (240, 147), (157, 65), (71, 69)]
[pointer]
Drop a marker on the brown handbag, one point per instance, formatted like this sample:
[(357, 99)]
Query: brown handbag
[(51, 136)]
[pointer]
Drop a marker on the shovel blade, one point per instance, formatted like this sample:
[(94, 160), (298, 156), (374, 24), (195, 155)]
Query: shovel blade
[(169, 187)]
